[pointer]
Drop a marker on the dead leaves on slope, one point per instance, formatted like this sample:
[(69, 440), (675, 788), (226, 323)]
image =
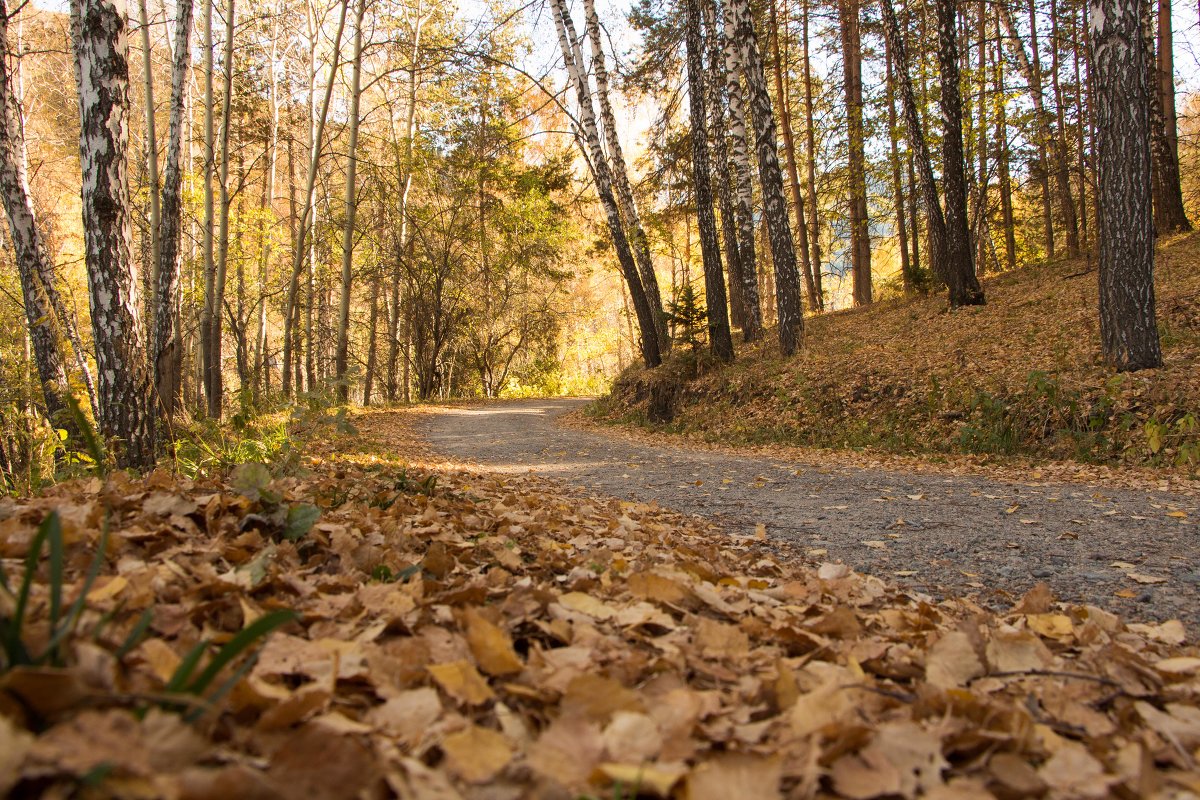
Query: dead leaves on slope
[(497, 639)]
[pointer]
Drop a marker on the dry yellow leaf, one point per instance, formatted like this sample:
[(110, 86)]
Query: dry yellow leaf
[(638, 779), (735, 775), (1052, 626), (476, 754), (462, 681), (586, 604), (952, 661), (491, 645)]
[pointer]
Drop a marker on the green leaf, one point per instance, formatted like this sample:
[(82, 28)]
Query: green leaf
[(250, 479), (300, 519)]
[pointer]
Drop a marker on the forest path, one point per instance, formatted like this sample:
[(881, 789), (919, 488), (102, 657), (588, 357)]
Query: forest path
[(963, 535)]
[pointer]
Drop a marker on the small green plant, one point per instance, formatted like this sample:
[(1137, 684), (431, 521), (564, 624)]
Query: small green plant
[(16, 648), (990, 428), (186, 681), (688, 318), (208, 448)]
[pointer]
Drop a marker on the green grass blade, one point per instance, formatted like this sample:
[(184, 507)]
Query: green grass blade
[(60, 633), (238, 645), (136, 633), (186, 667), (17, 623), (225, 688)]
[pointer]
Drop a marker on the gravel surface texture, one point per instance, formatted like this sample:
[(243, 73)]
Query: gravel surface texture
[(1136, 552)]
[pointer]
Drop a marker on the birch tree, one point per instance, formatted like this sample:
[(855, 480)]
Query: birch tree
[(302, 226), (720, 342), (125, 389), (167, 347), (343, 340), (742, 175), (34, 266), (589, 132), (624, 191), (779, 229)]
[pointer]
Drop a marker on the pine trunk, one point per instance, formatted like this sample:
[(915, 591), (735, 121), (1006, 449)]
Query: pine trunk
[(1128, 332), (960, 267), (860, 235)]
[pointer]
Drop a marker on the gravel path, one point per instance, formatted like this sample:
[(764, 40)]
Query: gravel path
[(941, 534)]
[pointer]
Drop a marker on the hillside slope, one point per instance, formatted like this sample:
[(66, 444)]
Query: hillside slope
[(1020, 376)]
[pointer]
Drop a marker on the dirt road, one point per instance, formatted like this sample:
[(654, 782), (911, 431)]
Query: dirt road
[(1135, 552)]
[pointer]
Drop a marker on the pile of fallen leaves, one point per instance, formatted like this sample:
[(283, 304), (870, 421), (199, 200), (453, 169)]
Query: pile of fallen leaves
[(1020, 376), (470, 635)]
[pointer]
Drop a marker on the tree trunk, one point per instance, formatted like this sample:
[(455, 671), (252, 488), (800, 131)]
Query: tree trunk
[(151, 160), (1056, 162), (789, 149), (909, 278), (1003, 154), (651, 354), (215, 375), (810, 135), (779, 229), (717, 88), (720, 341), (1128, 332), (860, 234), (167, 347), (32, 255), (960, 268), (208, 229), (126, 390), (739, 156), (298, 248), (624, 192), (343, 335), (917, 145), (1169, 214)]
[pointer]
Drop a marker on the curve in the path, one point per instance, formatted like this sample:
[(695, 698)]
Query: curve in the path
[(943, 534)]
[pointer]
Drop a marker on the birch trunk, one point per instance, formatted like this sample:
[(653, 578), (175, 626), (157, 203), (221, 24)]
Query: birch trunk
[(32, 255), (126, 390), (715, 84), (298, 248), (779, 229), (739, 156), (651, 354), (208, 230), (215, 375), (1128, 333), (343, 335), (624, 192), (167, 348), (720, 342)]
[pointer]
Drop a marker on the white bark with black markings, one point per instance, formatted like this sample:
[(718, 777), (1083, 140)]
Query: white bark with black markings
[(125, 388), (779, 228)]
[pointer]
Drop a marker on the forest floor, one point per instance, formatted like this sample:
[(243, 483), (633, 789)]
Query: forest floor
[(367, 619), (1131, 546), (1019, 377), (443, 631)]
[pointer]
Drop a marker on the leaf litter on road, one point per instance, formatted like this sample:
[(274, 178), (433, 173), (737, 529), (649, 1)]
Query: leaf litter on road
[(477, 635)]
